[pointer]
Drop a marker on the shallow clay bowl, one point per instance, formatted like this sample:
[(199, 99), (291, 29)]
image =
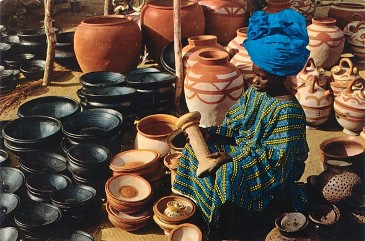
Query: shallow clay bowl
[(185, 231), (128, 188), (91, 124), (74, 195), (33, 69), (9, 234), (161, 205), (108, 94), (54, 106), (8, 204), (11, 179), (101, 79), (138, 217), (32, 129), (43, 162), (324, 215), (344, 148), (291, 222), (89, 155), (138, 161), (47, 183), (4, 158)]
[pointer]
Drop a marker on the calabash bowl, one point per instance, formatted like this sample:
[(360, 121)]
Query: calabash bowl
[(12, 179), (185, 231)]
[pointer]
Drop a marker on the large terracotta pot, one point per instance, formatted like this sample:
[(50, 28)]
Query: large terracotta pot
[(223, 18), (212, 86), (190, 53), (158, 26), (346, 12), (243, 62), (349, 107), (108, 43), (316, 102), (234, 44), (326, 41), (304, 7), (274, 6), (152, 132)]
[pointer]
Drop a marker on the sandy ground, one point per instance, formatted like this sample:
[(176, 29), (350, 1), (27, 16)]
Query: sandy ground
[(66, 84)]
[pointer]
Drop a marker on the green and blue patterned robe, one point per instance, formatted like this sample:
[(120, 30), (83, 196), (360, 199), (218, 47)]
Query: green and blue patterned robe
[(269, 157)]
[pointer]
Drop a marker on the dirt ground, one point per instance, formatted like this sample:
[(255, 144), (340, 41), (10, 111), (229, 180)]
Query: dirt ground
[(67, 84)]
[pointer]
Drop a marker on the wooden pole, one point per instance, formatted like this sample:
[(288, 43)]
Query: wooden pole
[(108, 7), (179, 84), (51, 41)]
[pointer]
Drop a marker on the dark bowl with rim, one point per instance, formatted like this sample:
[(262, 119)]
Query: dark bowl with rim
[(9, 234), (99, 79), (33, 69), (117, 94), (12, 180), (40, 162), (9, 202)]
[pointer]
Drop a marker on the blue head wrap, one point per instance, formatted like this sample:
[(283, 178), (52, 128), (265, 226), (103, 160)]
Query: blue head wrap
[(277, 42)]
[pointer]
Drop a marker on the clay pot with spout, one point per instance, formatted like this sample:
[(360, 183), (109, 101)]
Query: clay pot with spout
[(349, 106), (316, 102), (326, 41), (343, 75)]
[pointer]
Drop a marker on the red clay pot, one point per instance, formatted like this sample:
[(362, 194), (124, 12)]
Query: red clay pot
[(274, 6), (158, 26), (108, 43), (346, 12)]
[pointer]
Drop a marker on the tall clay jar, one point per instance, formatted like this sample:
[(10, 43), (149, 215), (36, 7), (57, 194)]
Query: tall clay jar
[(346, 12), (157, 23), (223, 18), (305, 7), (243, 62), (234, 44), (326, 41), (274, 6), (190, 53), (212, 86), (108, 43)]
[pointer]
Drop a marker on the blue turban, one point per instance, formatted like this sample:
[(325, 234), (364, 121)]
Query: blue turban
[(277, 42)]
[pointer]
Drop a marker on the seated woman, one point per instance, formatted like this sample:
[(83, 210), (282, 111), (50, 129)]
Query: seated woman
[(261, 147)]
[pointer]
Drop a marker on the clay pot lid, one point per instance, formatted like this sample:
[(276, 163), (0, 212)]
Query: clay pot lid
[(341, 147), (128, 188), (185, 232), (291, 222), (134, 160), (324, 214), (140, 216), (9, 234), (11, 179), (185, 213)]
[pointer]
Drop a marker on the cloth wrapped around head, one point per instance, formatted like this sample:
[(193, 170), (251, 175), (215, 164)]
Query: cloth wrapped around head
[(277, 42)]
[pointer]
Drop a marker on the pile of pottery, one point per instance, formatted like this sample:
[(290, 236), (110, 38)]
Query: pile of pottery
[(128, 199), (170, 211), (78, 203), (88, 164), (64, 51), (41, 186), (32, 133)]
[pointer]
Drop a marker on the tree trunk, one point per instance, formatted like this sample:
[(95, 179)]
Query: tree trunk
[(51, 41)]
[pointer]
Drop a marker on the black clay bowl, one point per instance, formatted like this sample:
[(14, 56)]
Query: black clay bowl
[(4, 158), (101, 79), (54, 106), (109, 94), (76, 235), (143, 71), (14, 60), (89, 155), (9, 234), (33, 69), (8, 204), (65, 39), (47, 183), (168, 55), (32, 129), (150, 80), (91, 124), (74, 196), (43, 162), (37, 215), (6, 77), (11, 179)]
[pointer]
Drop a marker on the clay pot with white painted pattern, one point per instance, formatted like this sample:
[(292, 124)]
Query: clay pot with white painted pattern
[(212, 86), (305, 7), (274, 6), (343, 75), (349, 107), (223, 18), (357, 45), (235, 43), (316, 102), (243, 62), (326, 41), (346, 12)]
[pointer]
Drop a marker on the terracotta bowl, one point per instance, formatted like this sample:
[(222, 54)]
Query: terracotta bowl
[(128, 222), (344, 148), (185, 231), (142, 162), (186, 210)]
